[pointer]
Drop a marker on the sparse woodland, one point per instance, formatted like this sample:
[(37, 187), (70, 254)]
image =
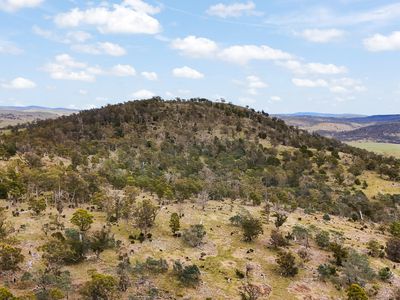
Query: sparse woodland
[(193, 199)]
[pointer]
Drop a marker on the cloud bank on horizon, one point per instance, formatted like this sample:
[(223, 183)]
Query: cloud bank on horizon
[(279, 56)]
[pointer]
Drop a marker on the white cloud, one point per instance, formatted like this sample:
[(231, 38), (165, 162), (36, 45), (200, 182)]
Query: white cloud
[(322, 35), (19, 83), (9, 48), (195, 46), (309, 83), (130, 17), (242, 54), (379, 42), (232, 10), (275, 98), (150, 75), (312, 68), (67, 68), (83, 92), (337, 86), (100, 48), (123, 70), (143, 94), (14, 5), (186, 72), (253, 84), (68, 38)]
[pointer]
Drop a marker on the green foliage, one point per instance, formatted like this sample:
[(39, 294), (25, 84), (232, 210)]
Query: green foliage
[(194, 235), (5, 294), (326, 271), (339, 253), (251, 227), (174, 223), (99, 287), (144, 214), (287, 264), (280, 219), (152, 265), (10, 257), (393, 249), (355, 292), (356, 268), (395, 229), (375, 249), (38, 204), (101, 240), (5, 226), (187, 275), (82, 219), (385, 274), (326, 217), (278, 240), (322, 239)]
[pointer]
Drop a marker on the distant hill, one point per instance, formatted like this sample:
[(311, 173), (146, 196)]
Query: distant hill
[(14, 115), (376, 128)]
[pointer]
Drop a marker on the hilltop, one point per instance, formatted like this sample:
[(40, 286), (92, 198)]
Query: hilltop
[(263, 208)]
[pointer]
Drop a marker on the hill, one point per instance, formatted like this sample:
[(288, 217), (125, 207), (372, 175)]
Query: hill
[(377, 128), (14, 115), (193, 199)]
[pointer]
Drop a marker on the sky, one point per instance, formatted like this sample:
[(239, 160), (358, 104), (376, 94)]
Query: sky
[(280, 56)]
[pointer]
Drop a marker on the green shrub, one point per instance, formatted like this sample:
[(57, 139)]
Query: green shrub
[(194, 235)]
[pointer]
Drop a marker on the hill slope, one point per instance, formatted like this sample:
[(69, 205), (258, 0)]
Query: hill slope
[(131, 166)]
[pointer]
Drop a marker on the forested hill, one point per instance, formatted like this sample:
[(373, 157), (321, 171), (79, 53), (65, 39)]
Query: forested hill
[(180, 149)]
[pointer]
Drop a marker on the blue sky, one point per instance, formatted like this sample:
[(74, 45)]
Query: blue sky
[(281, 56)]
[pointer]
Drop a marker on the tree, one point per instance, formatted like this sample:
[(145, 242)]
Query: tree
[(37, 204), (385, 274), (144, 215), (250, 291), (375, 249), (251, 227), (174, 223), (393, 249), (10, 257), (322, 239), (187, 275), (326, 271), (301, 233), (101, 240), (356, 268), (194, 235), (5, 294), (278, 240), (287, 264), (100, 287), (5, 226), (339, 253), (82, 219), (355, 292), (280, 219)]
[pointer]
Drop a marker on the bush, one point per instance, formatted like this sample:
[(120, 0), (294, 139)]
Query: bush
[(187, 275), (322, 239), (152, 265), (280, 219), (355, 292), (395, 229), (194, 235), (37, 204), (326, 271), (287, 264), (375, 249), (339, 253), (251, 227), (356, 268), (5, 294), (385, 274), (326, 217), (278, 240), (100, 287), (393, 249), (10, 257), (174, 223)]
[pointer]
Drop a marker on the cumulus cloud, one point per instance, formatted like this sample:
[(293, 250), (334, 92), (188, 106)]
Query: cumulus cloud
[(65, 67), (232, 10), (253, 84), (143, 94), (129, 17), (19, 83), (123, 70), (337, 85), (14, 5), (100, 48), (186, 72), (9, 48), (150, 75), (68, 38), (322, 35), (195, 46), (242, 54), (379, 42), (298, 67)]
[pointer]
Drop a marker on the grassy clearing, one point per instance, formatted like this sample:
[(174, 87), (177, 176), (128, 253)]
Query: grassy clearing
[(381, 148)]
